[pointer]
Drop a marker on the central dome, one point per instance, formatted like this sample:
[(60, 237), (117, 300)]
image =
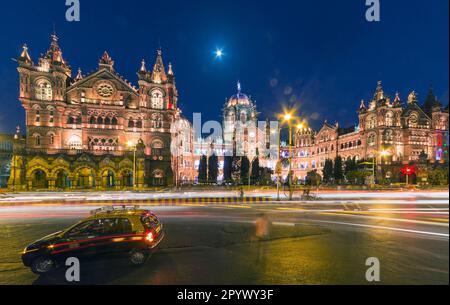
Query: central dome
[(239, 99)]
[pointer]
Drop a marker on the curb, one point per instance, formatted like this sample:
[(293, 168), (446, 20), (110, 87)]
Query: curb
[(161, 201)]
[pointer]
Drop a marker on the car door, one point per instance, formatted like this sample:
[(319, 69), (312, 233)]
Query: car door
[(82, 240), (116, 235)]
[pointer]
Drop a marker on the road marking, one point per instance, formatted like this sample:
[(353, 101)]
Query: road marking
[(366, 216), (383, 228)]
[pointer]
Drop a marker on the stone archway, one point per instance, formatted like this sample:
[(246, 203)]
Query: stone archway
[(85, 178), (108, 178), (39, 179), (126, 178), (62, 179), (158, 178)]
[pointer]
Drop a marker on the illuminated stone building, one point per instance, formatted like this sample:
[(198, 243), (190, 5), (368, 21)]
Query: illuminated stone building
[(242, 135), (389, 132), (92, 131)]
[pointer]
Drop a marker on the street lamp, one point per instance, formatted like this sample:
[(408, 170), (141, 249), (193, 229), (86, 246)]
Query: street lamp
[(287, 119), (133, 146)]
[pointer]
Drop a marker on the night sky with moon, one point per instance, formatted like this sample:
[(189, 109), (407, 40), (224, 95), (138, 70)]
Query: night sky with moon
[(322, 57)]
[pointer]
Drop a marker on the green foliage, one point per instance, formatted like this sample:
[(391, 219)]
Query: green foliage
[(255, 170), (227, 169), (328, 171), (438, 176), (313, 178), (245, 170), (338, 169), (203, 170), (213, 168)]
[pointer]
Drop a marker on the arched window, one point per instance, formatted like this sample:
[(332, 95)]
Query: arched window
[(157, 147), (107, 121), (131, 123), (70, 121), (100, 121), (51, 116), (413, 121), (114, 121), (74, 142), (37, 140), (389, 119), (139, 124), (92, 120), (79, 120), (38, 116), (52, 139), (371, 122), (44, 90), (371, 140)]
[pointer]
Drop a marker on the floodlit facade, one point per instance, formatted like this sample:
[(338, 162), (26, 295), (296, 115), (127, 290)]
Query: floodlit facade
[(389, 132)]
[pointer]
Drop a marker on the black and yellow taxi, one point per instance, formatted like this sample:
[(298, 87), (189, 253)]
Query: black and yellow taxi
[(129, 231)]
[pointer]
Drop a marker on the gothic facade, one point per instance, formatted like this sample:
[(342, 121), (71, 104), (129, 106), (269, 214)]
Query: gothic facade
[(96, 130), (389, 132)]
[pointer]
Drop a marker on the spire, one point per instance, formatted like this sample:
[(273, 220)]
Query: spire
[(159, 73), (431, 102), (106, 62), (79, 75), (25, 56), (363, 105), (170, 71), (143, 67), (379, 94), (412, 98), (239, 87), (397, 100)]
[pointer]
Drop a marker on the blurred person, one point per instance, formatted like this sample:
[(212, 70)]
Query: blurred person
[(262, 235)]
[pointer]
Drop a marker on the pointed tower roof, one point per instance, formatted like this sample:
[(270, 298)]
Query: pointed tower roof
[(25, 56), (431, 102), (412, 98), (379, 93), (106, 62), (159, 72), (143, 68), (79, 75), (397, 100), (362, 107)]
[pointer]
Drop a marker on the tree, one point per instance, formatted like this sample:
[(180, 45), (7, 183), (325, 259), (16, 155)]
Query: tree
[(213, 168), (255, 170), (245, 169), (438, 176), (313, 178), (338, 169), (203, 170), (351, 165), (328, 171), (227, 169), (236, 170)]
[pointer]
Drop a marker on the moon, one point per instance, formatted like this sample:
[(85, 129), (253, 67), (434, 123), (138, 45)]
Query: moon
[(219, 53)]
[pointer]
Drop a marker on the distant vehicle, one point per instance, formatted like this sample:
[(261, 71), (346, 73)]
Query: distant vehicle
[(130, 231)]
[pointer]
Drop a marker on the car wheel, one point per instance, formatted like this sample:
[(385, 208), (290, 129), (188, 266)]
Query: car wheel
[(43, 265), (138, 257)]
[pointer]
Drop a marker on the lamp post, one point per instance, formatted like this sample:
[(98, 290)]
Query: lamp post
[(134, 148), (288, 118)]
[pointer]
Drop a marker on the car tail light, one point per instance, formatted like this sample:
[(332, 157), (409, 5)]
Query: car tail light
[(149, 237)]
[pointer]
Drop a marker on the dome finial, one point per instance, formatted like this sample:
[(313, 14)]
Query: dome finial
[(239, 87)]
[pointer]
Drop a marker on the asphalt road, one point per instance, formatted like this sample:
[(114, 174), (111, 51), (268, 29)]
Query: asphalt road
[(210, 244)]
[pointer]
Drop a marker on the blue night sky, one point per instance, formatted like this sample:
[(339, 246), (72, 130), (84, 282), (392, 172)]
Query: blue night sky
[(322, 56)]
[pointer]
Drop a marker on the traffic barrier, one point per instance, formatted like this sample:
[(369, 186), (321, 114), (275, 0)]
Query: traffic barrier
[(152, 201)]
